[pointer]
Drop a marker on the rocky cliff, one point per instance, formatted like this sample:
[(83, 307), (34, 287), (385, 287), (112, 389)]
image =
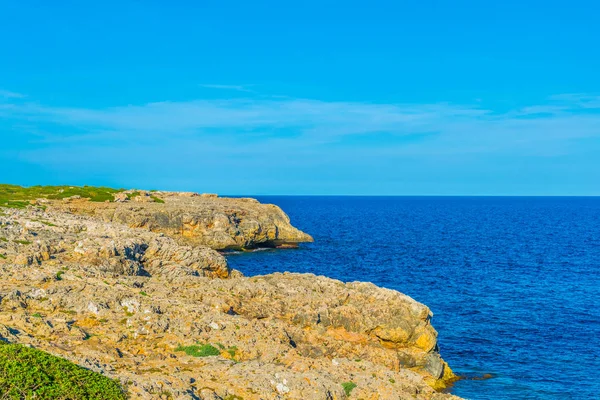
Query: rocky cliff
[(208, 220), (135, 290)]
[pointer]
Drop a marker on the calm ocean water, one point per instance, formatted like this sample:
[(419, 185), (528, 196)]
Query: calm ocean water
[(514, 283)]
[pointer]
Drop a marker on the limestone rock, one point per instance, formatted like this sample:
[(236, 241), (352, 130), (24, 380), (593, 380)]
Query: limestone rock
[(117, 289), (219, 223)]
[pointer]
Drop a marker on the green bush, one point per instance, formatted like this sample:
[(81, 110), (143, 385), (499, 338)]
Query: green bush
[(201, 350), (14, 196), (27, 373), (349, 387), (157, 200)]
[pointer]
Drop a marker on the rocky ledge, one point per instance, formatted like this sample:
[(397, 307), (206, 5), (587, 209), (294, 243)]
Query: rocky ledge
[(135, 290), (198, 219)]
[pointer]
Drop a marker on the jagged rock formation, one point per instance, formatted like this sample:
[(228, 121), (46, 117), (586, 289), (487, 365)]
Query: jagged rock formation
[(33, 236), (219, 223), (132, 303)]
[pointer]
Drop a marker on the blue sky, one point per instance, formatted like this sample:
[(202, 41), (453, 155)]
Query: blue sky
[(319, 97)]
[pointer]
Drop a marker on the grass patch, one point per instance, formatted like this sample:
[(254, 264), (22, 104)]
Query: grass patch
[(200, 350), (143, 293), (157, 200), (27, 373), (37, 315), (14, 196), (23, 242), (59, 275), (4, 202), (133, 195), (2, 256), (3, 239), (349, 387)]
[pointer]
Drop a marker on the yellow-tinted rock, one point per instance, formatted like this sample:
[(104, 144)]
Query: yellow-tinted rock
[(123, 301), (426, 339)]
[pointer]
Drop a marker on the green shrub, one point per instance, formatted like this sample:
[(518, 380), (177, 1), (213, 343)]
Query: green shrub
[(157, 200), (27, 373), (349, 387), (200, 350), (14, 196)]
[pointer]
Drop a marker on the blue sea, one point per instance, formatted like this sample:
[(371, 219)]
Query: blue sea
[(513, 282)]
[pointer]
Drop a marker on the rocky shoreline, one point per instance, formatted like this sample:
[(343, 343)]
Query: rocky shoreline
[(137, 290)]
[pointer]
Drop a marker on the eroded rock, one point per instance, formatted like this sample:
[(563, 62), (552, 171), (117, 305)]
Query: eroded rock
[(122, 300), (218, 223)]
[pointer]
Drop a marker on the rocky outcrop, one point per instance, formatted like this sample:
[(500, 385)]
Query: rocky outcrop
[(144, 307), (208, 220), (30, 237)]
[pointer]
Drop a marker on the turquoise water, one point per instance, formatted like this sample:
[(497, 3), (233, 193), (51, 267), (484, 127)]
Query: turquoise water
[(514, 283)]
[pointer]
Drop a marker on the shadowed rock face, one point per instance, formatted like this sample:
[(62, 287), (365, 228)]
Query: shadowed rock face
[(121, 300), (218, 223), (32, 237)]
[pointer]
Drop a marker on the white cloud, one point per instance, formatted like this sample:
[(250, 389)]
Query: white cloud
[(292, 145), (304, 115), (11, 95), (238, 88), (301, 123), (578, 100)]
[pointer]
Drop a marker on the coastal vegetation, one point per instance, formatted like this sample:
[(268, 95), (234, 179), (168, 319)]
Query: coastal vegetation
[(28, 373), (14, 196), (199, 350), (349, 387)]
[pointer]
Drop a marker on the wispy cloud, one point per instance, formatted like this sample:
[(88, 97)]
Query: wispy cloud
[(305, 137), (305, 116), (285, 125), (238, 88), (10, 95), (578, 100)]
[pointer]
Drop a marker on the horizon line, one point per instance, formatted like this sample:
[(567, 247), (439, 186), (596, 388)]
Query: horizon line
[(321, 194)]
